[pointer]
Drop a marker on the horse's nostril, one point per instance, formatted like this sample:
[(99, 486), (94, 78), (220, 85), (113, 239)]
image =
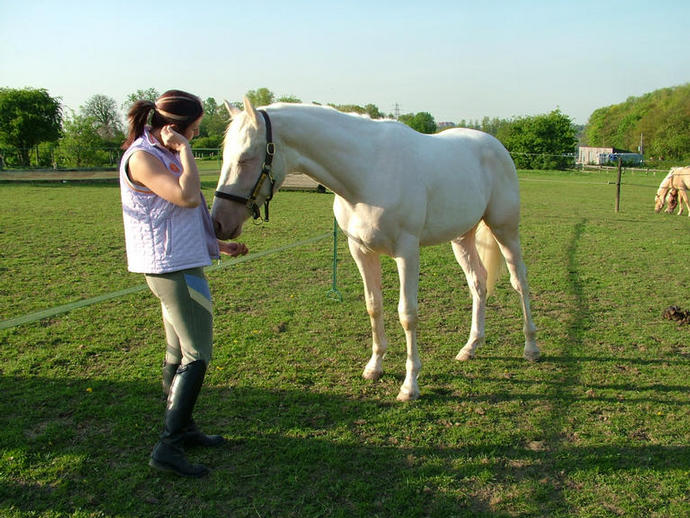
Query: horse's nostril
[(216, 227)]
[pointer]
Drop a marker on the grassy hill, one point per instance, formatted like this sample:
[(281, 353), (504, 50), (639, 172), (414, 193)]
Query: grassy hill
[(660, 118)]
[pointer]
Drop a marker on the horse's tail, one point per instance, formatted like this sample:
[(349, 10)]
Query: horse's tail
[(490, 254)]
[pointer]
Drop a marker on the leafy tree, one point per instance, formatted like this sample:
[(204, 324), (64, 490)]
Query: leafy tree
[(150, 94), (208, 142), (261, 97), (539, 142), (493, 126), (370, 109), (216, 118), (105, 115), (672, 139), (349, 108), (288, 99), (470, 124), (264, 97), (211, 107), (423, 122), (28, 117), (373, 111), (81, 144), (213, 125)]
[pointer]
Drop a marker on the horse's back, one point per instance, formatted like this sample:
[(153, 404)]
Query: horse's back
[(476, 175), (436, 187), (682, 176), (491, 156)]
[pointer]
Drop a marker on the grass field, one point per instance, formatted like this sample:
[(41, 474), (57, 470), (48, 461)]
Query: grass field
[(599, 427)]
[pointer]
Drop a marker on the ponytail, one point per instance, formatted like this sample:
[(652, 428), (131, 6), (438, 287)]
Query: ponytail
[(137, 117)]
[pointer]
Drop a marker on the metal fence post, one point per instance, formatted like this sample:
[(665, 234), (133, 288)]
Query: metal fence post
[(618, 184)]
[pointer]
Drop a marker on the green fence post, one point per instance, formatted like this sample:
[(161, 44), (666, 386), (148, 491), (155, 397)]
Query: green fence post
[(333, 293)]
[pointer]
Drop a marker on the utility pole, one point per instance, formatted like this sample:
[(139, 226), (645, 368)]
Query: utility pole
[(396, 111)]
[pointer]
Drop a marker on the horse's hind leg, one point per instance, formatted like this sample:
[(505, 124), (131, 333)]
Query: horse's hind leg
[(369, 266), (466, 254), (509, 241)]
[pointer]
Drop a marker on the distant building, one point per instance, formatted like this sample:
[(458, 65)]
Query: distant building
[(444, 125), (606, 155)]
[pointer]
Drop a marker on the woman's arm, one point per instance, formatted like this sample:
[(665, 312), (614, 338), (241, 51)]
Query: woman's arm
[(147, 170)]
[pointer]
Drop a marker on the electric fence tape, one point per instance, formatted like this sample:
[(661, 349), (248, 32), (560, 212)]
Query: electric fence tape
[(65, 308)]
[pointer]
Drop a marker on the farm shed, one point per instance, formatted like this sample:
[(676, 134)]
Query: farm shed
[(605, 155)]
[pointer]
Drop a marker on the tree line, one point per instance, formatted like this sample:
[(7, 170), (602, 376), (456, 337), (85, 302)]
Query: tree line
[(657, 123), (35, 129)]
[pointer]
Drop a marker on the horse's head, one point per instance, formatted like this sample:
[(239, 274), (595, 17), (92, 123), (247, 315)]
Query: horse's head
[(660, 199), (246, 180), (666, 193)]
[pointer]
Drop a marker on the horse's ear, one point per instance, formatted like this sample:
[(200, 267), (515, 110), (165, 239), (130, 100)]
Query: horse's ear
[(250, 110), (232, 110)]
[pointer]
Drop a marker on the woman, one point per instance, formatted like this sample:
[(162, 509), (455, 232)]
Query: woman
[(169, 238)]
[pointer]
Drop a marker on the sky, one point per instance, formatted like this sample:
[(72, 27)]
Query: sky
[(458, 60)]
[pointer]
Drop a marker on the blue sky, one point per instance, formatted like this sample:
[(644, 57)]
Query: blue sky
[(455, 59)]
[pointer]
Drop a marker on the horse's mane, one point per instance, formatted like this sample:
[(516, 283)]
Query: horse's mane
[(665, 183), (326, 108), (352, 117)]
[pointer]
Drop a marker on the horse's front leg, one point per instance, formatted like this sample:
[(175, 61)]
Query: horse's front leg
[(408, 271), (369, 266), (683, 197)]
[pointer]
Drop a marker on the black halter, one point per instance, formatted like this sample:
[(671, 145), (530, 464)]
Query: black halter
[(250, 202)]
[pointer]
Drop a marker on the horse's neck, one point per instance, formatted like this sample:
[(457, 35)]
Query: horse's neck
[(325, 145)]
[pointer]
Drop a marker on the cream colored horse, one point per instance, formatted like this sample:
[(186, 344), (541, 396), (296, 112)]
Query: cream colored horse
[(395, 190), (676, 182)]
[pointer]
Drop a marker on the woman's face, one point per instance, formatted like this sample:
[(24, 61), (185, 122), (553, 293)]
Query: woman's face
[(193, 129)]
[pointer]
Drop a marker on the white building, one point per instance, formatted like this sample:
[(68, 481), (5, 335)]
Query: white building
[(606, 155)]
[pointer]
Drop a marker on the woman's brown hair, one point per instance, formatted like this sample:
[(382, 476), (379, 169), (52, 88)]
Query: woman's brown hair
[(174, 107)]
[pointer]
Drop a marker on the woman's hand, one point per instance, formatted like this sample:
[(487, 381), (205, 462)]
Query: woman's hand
[(172, 139), (232, 249)]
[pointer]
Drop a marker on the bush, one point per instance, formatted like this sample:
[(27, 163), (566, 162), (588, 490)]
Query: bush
[(210, 142), (540, 142)]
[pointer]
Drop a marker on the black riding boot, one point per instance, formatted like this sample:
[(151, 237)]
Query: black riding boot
[(195, 437), (169, 371), (168, 454), (192, 435)]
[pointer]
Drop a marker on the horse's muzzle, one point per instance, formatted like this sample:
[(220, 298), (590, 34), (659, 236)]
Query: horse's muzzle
[(217, 228), (226, 233)]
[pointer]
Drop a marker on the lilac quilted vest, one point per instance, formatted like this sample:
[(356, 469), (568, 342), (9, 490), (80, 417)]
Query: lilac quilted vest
[(160, 236)]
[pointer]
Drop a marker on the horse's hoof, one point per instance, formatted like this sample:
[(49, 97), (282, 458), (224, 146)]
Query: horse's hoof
[(531, 356), (464, 355), (405, 395), (372, 374)]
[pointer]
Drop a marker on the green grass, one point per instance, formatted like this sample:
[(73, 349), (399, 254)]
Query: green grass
[(599, 427)]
